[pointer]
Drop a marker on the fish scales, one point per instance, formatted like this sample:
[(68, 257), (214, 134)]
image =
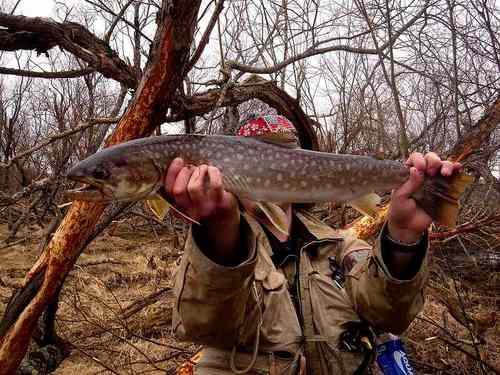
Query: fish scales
[(251, 169)]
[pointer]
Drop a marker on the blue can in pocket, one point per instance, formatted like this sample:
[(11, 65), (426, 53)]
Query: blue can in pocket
[(392, 358)]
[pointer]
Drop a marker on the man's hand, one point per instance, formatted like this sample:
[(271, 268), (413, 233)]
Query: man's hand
[(199, 193), (407, 221)]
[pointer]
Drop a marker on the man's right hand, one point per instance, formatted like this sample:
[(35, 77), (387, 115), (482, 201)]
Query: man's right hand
[(199, 193)]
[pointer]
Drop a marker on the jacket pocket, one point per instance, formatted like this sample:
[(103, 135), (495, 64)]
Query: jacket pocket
[(281, 328)]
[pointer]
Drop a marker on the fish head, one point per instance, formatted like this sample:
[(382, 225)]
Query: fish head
[(113, 179)]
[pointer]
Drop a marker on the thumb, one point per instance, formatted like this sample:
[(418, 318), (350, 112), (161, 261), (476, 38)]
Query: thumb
[(411, 185)]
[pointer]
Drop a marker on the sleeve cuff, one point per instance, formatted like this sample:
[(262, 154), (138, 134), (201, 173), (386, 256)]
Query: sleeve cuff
[(209, 272), (382, 248)]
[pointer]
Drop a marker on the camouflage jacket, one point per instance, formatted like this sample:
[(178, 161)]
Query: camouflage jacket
[(236, 311)]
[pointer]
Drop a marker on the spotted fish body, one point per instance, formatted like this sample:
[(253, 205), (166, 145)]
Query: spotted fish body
[(257, 170), (251, 169)]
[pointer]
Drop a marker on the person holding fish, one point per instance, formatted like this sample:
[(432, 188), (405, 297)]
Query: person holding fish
[(263, 285), (311, 301)]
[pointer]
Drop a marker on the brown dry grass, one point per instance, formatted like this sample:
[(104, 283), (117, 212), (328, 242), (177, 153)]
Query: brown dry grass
[(133, 259)]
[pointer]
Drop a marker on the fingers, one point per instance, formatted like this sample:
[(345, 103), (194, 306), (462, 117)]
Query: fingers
[(195, 186), (411, 185), (180, 187), (196, 190), (418, 161), (456, 167), (215, 189), (431, 164), (172, 172), (447, 168)]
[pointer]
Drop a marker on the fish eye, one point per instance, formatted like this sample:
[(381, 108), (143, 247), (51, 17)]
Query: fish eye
[(100, 173)]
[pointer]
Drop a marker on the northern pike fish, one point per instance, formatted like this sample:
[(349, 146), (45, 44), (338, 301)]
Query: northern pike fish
[(257, 170)]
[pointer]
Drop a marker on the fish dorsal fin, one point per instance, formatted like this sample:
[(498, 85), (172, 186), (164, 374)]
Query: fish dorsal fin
[(367, 204), (280, 138), (161, 206), (275, 215)]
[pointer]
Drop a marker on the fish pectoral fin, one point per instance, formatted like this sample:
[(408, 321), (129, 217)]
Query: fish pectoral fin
[(367, 204), (275, 215), (160, 207)]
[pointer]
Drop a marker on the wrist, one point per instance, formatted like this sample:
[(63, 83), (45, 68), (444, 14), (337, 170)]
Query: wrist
[(403, 235), (223, 218)]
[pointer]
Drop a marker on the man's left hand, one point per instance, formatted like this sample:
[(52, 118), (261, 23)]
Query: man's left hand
[(407, 221)]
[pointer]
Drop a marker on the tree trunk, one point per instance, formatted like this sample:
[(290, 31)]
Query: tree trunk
[(479, 135), (169, 56)]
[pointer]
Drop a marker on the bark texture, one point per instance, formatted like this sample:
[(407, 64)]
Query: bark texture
[(478, 136), (169, 55)]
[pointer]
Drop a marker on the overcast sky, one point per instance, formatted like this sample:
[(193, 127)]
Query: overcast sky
[(38, 8)]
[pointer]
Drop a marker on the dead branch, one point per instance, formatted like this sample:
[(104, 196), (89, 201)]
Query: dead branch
[(101, 262), (471, 142), (49, 75), (41, 184), (253, 87), (478, 136), (81, 127), (471, 355), (320, 51), (102, 5), (466, 228), (42, 34), (13, 243), (22, 218), (118, 17), (140, 304)]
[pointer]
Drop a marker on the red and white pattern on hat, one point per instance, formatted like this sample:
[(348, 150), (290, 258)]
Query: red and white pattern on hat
[(266, 124)]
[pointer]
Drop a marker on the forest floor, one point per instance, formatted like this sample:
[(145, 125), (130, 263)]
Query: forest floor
[(105, 315)]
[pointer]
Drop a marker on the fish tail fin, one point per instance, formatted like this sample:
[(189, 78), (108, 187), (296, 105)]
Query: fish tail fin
[(440, 195), (367, 204)]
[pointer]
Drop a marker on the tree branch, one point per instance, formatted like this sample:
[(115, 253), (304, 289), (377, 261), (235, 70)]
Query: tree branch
[(100, 5), (309, 53), (42, 34), (254, 87), (118, 17), (50, 75), (206, 36), (55, 137), (339, 47), (479, 135)]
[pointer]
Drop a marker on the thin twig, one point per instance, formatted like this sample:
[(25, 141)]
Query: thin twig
[(13, 243), (206, 36), (478, 359), (55, 137)]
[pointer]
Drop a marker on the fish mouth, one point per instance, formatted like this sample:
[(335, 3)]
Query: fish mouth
[(88, 193)]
